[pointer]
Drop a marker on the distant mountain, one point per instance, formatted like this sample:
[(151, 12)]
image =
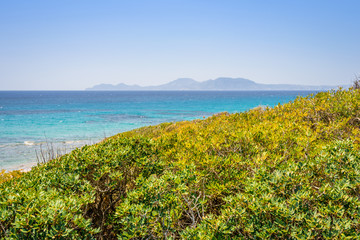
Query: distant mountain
[(230, 84), (225, 84), (120, 86)]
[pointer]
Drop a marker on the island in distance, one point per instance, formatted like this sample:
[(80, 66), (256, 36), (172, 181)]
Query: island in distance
[(219, 84)]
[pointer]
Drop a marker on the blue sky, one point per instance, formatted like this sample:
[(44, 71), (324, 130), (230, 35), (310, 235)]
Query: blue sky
[(72, 45)]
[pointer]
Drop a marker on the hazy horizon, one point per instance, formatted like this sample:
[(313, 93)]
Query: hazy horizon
[(339, 85), (67, 45)]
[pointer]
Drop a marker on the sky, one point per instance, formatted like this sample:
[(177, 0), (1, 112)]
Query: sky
[(73, 45)]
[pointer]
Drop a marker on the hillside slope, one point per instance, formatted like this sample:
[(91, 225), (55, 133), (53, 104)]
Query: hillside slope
[(289, 172)]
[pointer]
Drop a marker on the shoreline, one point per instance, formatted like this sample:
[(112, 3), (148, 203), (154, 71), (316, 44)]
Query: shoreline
[(26, 167), (44, 151)]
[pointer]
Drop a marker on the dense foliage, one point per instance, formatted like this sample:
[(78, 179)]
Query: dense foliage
[(288, 172), (6, 176)]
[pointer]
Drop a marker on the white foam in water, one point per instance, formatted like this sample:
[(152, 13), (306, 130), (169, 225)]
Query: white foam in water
[(29, 143)]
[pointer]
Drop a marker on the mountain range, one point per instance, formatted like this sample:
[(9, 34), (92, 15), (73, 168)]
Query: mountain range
[(219, 84)]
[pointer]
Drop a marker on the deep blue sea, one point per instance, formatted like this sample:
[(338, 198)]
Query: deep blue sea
[(31, 120)]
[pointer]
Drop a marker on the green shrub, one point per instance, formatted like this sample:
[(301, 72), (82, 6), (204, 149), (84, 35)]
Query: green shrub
[(6, 176), (288, 172)]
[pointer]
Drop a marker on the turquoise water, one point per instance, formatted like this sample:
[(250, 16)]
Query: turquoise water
[(31, 121)]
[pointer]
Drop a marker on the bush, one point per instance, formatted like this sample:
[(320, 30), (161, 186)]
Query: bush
[(288, 172)]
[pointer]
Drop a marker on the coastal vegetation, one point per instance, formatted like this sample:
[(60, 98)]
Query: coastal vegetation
[(287, 172)]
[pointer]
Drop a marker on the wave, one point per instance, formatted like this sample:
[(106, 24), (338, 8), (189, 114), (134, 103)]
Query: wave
[(29, 143), (66, 142)]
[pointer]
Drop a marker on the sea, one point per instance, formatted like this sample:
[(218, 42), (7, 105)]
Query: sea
[(35, 125)]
